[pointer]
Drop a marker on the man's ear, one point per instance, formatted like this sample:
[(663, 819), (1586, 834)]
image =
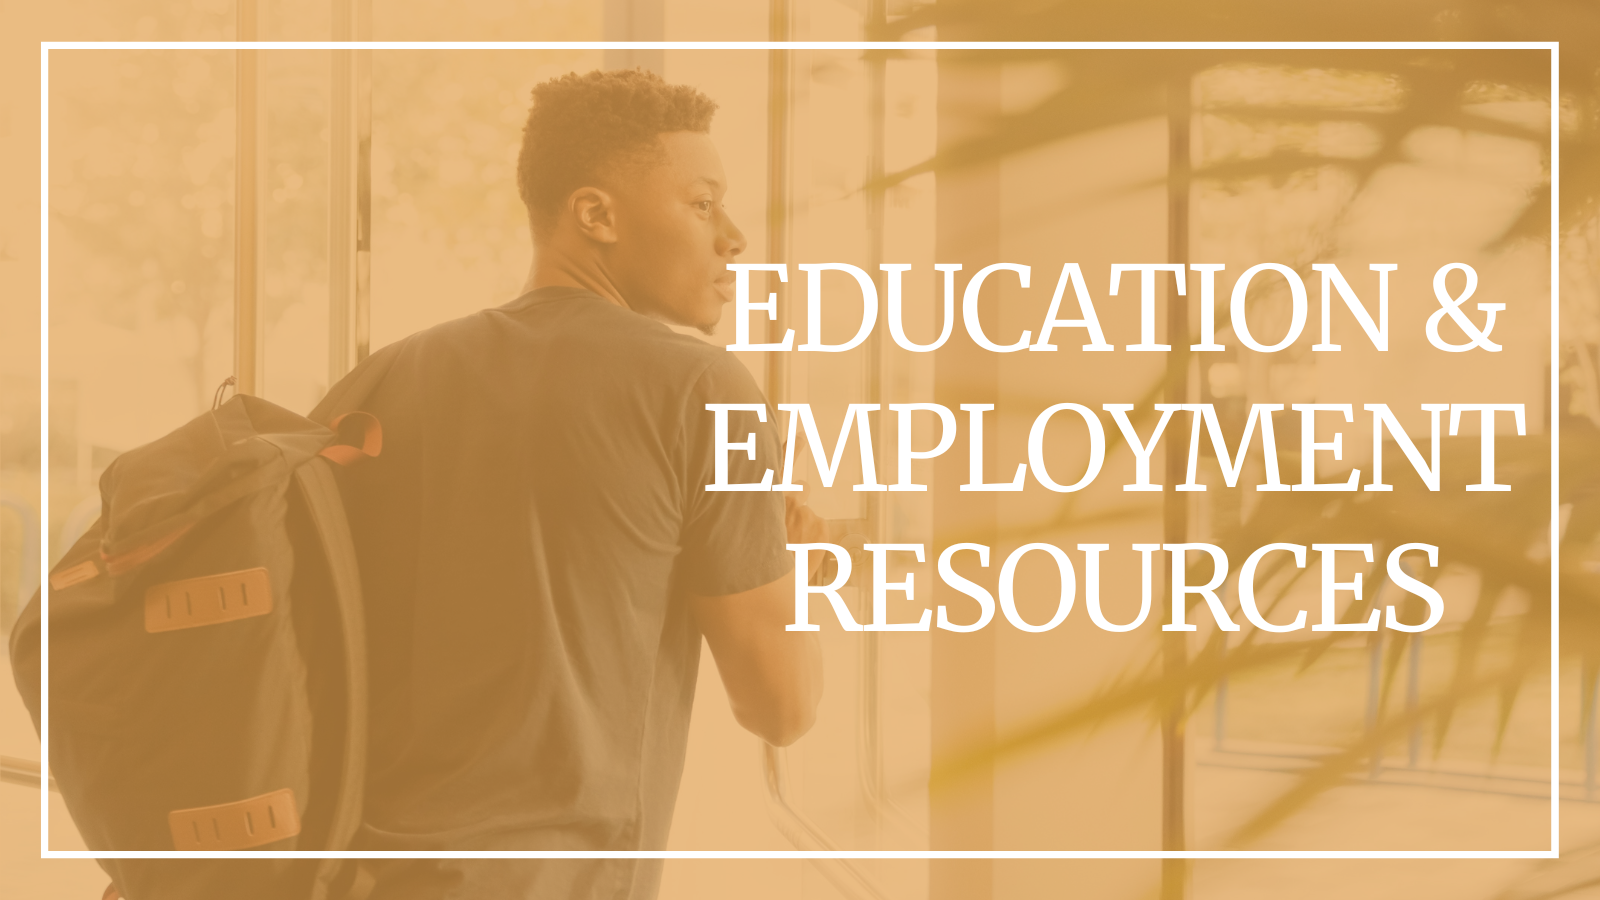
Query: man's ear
[(594, 213)]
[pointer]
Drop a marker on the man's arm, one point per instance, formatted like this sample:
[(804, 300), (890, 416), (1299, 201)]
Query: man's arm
[(773, 676)]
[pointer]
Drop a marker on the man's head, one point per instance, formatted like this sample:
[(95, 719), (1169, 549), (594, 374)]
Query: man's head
[(622, 182)]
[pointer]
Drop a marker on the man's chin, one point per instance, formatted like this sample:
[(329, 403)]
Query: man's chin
[(708, 327), (708, 323)]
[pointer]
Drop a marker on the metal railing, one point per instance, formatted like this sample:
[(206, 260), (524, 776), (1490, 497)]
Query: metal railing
[(1411, 698)]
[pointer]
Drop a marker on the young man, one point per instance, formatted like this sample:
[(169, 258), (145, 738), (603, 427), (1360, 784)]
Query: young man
[(539, 555)]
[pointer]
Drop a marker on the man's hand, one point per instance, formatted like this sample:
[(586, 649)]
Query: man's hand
[(805, 527)]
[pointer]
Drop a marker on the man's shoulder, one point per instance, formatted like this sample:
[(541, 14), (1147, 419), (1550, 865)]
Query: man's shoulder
[(578, 331)]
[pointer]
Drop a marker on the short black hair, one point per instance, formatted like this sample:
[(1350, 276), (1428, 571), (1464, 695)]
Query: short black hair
[(583, 125)]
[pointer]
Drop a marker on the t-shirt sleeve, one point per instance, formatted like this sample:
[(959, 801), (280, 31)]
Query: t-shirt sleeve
[(731, 541)]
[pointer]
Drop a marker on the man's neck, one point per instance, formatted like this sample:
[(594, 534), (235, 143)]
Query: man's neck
[(552, 267)]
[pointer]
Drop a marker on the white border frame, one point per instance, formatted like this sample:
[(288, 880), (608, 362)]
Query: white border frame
[(1555, 434)]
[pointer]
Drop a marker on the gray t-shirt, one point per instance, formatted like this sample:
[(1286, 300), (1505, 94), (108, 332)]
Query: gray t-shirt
[(528, 539)]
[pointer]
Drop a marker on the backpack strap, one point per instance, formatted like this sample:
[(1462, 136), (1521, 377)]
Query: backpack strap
[(339, 879), (362, 883), (321, 491)]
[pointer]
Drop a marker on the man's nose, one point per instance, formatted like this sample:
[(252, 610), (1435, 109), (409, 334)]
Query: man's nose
[(731, 241)]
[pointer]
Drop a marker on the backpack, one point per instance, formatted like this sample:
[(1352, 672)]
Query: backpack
[(208, 683)]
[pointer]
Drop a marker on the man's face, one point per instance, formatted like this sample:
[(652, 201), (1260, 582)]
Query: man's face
[(674, 239)]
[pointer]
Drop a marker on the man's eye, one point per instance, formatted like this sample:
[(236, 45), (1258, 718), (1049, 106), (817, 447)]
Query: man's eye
[(703, 205)]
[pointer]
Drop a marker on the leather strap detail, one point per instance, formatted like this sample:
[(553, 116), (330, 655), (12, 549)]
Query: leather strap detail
[(208, 600), (371, 439), (78, 574), (238, 825)]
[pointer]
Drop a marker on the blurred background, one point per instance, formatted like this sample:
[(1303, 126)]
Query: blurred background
[(384, 202)]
